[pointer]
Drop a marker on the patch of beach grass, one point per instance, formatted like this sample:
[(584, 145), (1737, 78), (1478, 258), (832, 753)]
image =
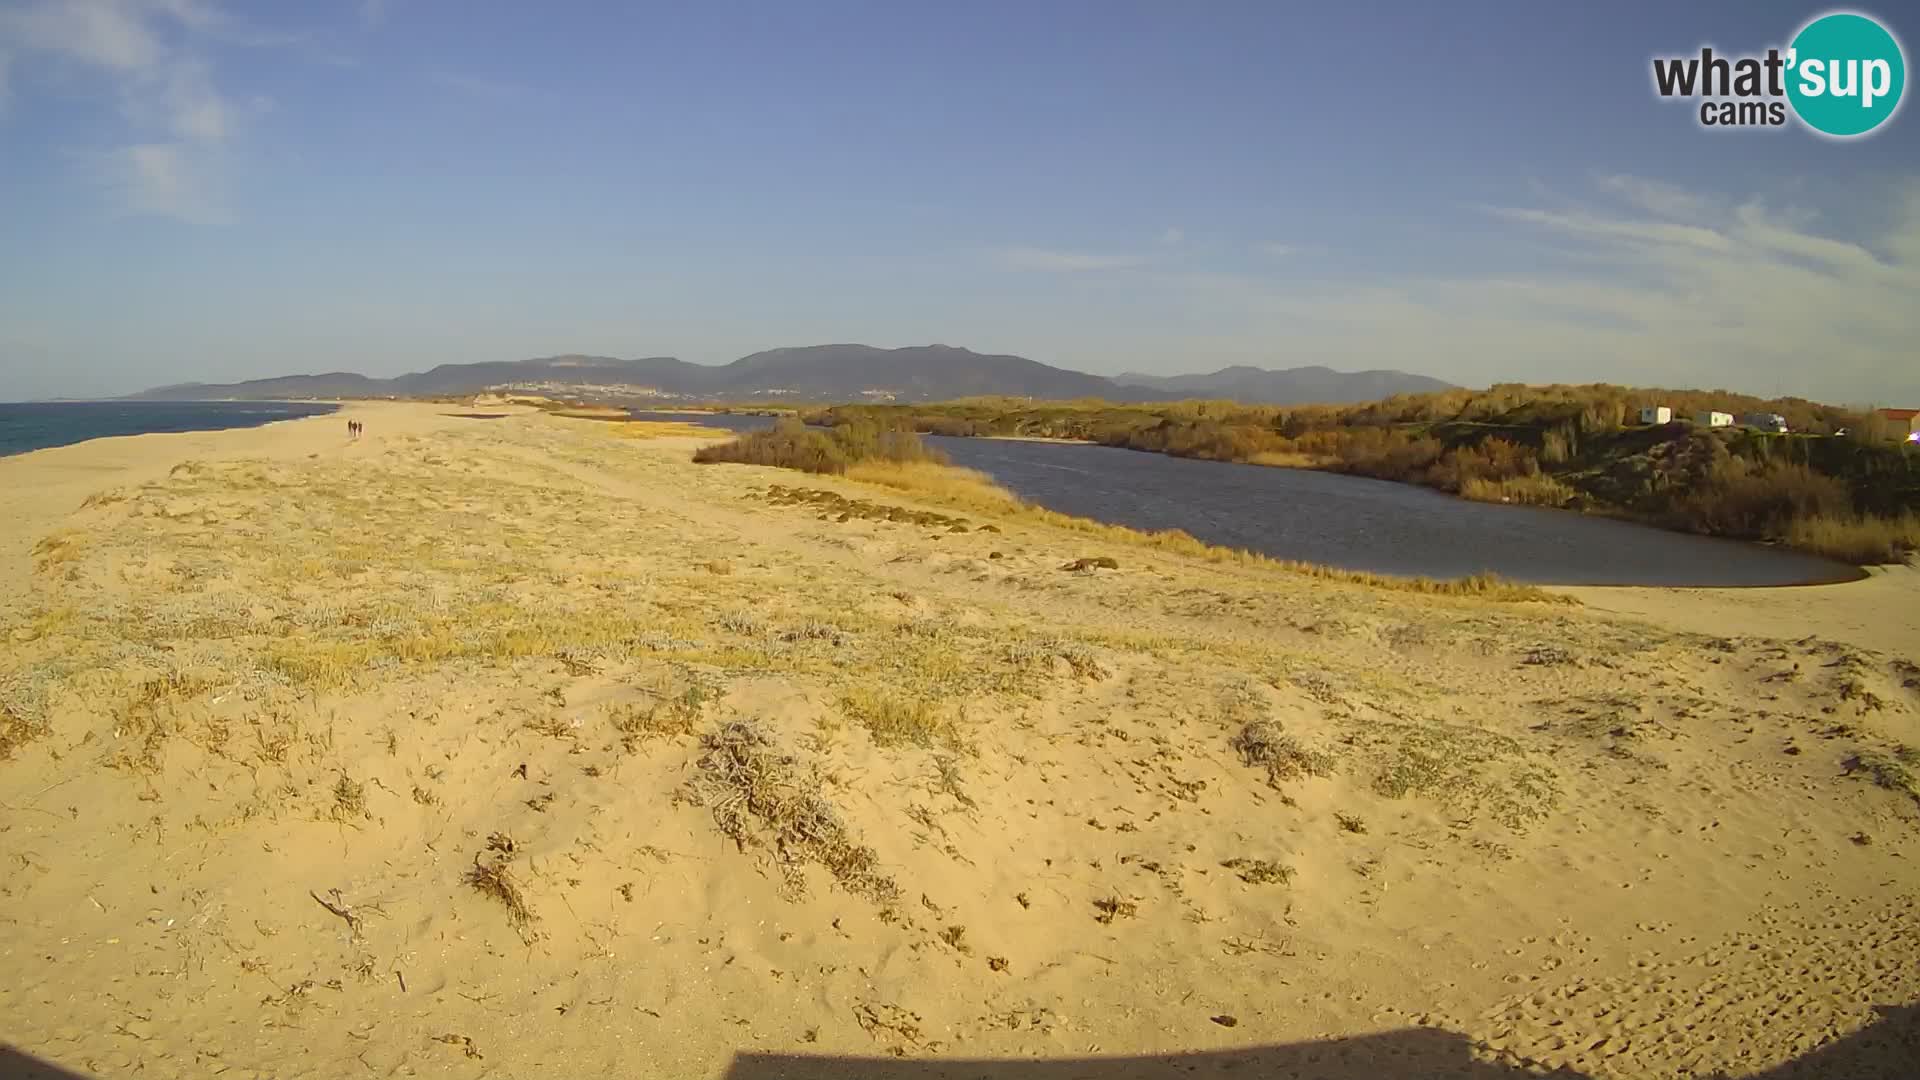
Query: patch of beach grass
[(1467, 770), (676, 716), (897, 720), (1260, 871), (1895, 770), (1261, 744)]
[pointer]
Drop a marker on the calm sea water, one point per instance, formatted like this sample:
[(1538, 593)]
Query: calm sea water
[(25, 427), (1359, 523)]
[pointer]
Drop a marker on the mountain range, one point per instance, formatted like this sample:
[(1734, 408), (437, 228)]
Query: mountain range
[(816, 373)]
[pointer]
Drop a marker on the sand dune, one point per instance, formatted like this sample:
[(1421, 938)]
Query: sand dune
[(512, 747)]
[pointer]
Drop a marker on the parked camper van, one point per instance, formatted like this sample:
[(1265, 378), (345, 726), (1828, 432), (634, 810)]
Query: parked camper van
[(1762, 421), (1714, 419), (1656, 414)]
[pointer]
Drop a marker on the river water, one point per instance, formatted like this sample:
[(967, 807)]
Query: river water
[(1358, 523)]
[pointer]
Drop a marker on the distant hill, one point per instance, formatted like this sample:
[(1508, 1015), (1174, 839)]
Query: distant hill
[(810, 374), (651, 374), (920, 373), (1289, 386)]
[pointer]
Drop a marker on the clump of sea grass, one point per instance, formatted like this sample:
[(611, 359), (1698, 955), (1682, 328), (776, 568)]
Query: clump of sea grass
[(1262, 744), (757, 798), (1897, 771), (496, 879), (349, 800), (1260, 871)]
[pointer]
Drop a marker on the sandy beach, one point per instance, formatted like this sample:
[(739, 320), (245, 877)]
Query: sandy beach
[(523, 746)]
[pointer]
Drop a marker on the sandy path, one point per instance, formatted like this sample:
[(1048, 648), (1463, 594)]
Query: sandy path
[(1492, 835)]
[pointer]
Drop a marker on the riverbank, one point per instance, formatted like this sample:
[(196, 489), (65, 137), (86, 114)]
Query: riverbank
[(1355, 523), (1847, 498), (499, 746)]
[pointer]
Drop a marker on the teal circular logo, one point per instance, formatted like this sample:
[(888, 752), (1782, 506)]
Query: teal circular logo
[(1845, 74)]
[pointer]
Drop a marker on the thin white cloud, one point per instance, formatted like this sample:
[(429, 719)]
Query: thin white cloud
[(167, 180), (149, 52), (99, 32), (1065, 262), (1657, 198), (1757, 227), (373, 12), (195, 110), (1173, 236), (1735, 294), (1280, 251), (1618, 229)]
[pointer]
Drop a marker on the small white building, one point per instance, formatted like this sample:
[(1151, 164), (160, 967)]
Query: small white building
[(1656, 414), (1714, 419)]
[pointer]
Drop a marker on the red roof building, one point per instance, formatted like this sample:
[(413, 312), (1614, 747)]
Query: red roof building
[(1906, 420)]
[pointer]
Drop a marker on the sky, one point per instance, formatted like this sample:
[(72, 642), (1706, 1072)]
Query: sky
[(1483, 192)]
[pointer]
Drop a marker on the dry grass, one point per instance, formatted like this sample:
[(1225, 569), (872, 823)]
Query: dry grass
[(949, 485), (1260, 871), (677, 716), (59, 548), (757, 797), (893, 720), (349, 800), (23, 709), (1283, 459), (1858, 539), (664, 429), (1537, 489), (1038, 654), (496, 879)]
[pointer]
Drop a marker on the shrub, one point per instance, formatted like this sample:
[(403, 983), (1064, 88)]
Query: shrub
[(1536, 490), (787, 445), (1494, 460), (1761, 502), (790, 444)]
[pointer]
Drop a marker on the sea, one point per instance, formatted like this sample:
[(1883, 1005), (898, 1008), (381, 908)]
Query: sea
[(37, 425)]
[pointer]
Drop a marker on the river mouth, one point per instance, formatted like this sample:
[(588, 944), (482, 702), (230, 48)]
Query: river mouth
[(1357, 523)]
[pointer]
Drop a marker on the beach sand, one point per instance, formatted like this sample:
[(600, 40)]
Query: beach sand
[(520, 747)]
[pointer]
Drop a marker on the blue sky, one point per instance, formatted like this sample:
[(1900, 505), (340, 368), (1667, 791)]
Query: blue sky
[(1482, 192)]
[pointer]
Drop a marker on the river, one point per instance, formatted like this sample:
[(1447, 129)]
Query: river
[(1358, 523)]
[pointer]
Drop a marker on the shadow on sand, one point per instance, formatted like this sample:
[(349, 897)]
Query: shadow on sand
[(1888, 1049)]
